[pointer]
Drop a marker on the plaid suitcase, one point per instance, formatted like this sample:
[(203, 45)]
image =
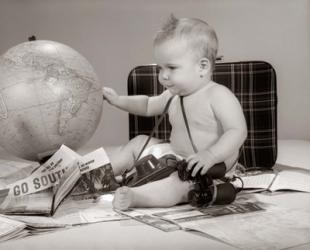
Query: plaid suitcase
[(254, 84)]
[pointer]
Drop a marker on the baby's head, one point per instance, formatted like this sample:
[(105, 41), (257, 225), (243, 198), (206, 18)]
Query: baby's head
[(200, 37)]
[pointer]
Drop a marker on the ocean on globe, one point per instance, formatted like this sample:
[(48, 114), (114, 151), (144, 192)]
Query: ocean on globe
[(49, 96)]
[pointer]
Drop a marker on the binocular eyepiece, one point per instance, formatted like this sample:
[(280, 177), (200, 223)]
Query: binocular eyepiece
[(205, 191)]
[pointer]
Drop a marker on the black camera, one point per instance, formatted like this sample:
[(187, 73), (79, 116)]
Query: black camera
[(149, 168), (206, 192)]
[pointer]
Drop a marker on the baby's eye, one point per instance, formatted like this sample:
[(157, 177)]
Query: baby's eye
[(172, 67)]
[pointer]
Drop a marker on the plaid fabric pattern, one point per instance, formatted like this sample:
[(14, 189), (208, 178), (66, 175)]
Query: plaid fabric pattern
[(254, 84)]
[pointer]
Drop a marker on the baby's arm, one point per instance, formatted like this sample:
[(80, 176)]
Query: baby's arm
[(228, 112), (137, 104)]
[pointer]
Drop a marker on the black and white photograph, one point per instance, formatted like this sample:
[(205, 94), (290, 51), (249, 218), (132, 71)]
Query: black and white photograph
[(167, 124)]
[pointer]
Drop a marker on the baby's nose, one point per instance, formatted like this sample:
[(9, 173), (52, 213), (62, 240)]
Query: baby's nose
[(165, 77)]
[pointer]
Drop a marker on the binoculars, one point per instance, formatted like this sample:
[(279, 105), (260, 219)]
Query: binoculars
[(206, 192)]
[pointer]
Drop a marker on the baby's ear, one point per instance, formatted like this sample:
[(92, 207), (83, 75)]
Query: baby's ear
[(204, 67), (204, 63)]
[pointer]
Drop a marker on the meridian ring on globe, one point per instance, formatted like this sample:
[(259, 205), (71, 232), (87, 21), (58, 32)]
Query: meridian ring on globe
[(49, 95)]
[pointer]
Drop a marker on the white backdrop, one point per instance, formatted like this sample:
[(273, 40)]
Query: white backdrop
[(116, 35)]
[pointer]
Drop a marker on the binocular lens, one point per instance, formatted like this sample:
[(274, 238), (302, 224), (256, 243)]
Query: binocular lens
[(225, 194)]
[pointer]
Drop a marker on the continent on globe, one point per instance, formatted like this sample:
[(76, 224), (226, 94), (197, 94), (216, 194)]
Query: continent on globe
[(49, 95)]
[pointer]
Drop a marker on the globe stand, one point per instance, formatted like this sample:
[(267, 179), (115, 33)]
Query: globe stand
[(32, 38), (43, 157)]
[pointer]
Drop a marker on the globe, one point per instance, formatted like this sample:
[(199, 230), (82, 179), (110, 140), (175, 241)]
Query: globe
[(49, 96)]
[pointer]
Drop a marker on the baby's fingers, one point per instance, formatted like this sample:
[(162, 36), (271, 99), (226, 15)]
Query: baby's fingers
[(191, 161), (204, 170), (108, 91), (197, 168)]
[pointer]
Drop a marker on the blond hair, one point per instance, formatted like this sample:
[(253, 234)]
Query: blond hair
[(200, 36)]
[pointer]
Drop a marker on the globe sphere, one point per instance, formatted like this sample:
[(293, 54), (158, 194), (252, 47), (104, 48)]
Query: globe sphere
[(49, 96)]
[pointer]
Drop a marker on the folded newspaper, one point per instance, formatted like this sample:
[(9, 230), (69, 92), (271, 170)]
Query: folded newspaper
[(280, 178), (11, 229), (41, 190)]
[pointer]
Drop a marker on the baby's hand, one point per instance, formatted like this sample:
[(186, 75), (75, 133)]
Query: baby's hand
[(123, 198), (202, 161), (110, 95)]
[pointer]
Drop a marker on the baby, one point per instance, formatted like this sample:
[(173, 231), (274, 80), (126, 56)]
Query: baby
[(185, 51)]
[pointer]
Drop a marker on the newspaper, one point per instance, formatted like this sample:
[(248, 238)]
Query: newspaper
[(178, 217), (39, 224), (244, 224), (72, 212), (29, 188), (42, 190), (46, 175), (274, 228), (281, 178), (10, 229), (146, 216), (93, 164), (75, 211), (31, 192)]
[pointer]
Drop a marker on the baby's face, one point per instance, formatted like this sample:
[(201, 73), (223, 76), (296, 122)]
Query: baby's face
[(179, 68)]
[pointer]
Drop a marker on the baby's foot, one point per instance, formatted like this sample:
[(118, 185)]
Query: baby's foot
[(123, 198)]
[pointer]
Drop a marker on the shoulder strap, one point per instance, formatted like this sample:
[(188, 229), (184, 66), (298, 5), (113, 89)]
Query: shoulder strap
[(187, 127), (156, 126)]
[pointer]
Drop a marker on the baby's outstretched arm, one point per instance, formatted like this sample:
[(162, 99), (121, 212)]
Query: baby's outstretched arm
[(132, 104), (137, 104)]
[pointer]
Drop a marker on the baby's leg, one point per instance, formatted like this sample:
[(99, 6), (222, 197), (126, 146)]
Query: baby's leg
[(123, 157), (167, 192)]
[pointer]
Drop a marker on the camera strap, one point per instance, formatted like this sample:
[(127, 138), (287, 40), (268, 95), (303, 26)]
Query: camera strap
[(156, 126), (187, 126)]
